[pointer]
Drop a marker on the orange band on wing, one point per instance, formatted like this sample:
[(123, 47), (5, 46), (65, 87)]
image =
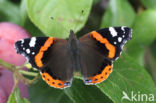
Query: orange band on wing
[(102, 40), (52, 82), (103, 76), (45, 47)]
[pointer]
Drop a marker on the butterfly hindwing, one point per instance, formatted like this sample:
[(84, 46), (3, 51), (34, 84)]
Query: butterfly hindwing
[(57, 70), (95, 67)]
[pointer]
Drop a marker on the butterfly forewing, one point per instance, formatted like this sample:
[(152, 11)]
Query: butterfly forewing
[(117, 37), (30, 47)]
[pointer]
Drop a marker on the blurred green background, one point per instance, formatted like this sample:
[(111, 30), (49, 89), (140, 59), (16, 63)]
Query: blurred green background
[(134, 71)]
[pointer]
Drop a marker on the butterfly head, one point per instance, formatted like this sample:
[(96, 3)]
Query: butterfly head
[(73, 43), (72, 36)]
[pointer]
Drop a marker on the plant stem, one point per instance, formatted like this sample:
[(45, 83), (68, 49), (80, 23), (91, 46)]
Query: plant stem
[(17, 73), (28, 73)]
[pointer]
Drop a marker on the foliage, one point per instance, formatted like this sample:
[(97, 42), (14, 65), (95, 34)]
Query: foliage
[(57, 17), (15, 97)]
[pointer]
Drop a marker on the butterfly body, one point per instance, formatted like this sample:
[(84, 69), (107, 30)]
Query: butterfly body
[(92, 54), (74, 50)]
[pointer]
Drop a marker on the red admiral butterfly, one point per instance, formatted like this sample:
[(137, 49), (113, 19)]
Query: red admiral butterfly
[(93, 54)]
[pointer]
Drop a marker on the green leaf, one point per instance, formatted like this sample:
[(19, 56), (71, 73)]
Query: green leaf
[(57, 17), (144, 33), (118, 13), (95, 1), (81, 93), (31, 28), (26, 23), (77, 93), (150, 60), (128, 77), (23, 12), (9, 12), (149, 3), (15, 97), (41, 92)]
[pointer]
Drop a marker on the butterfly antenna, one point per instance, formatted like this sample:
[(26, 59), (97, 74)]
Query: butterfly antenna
[(78, 20)]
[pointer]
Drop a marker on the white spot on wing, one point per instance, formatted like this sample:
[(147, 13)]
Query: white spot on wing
[(32, 42), (33, 53), (28, 51), (112, 31), (114, 42), (119, 39), (123, 29), (22, 41)]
